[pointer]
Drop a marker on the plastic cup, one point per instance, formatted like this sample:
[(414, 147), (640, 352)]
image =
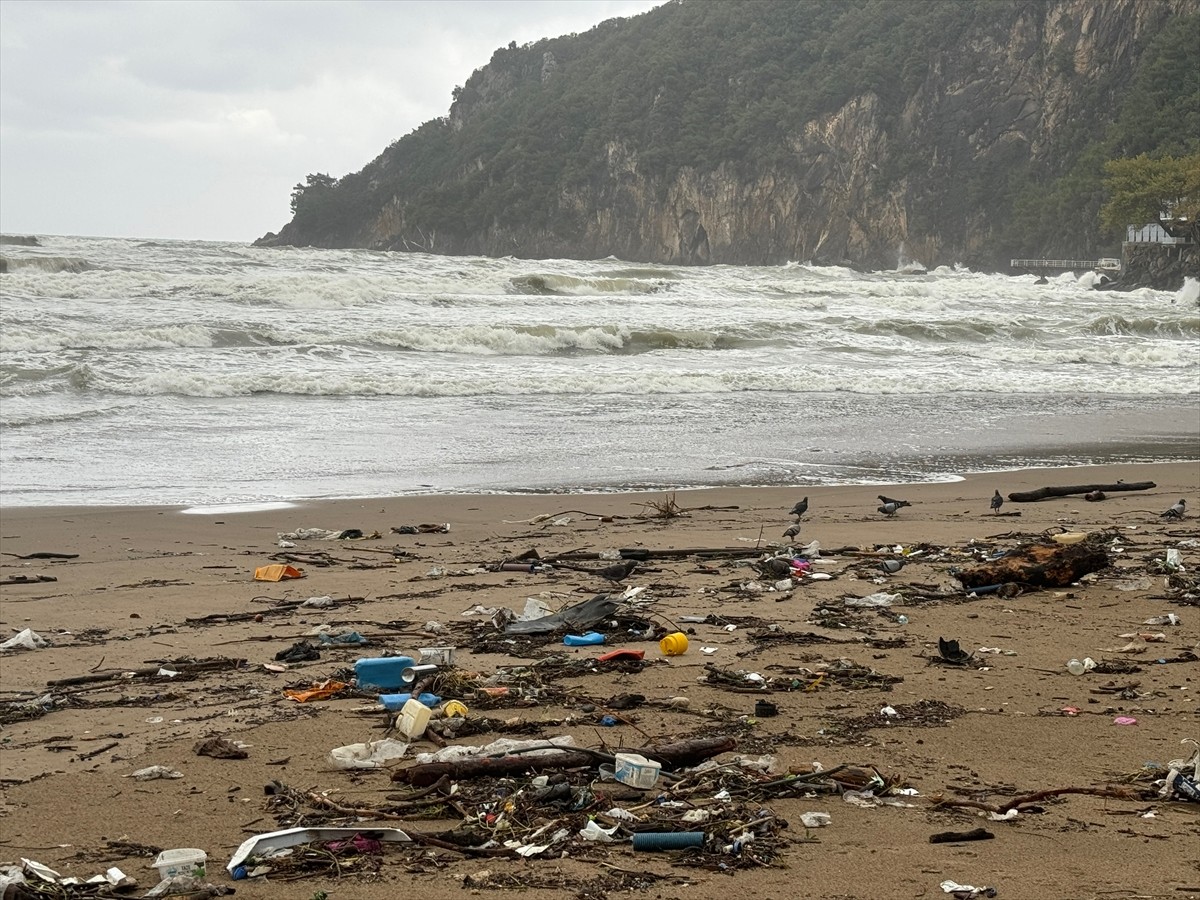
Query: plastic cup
[(1075, 667)]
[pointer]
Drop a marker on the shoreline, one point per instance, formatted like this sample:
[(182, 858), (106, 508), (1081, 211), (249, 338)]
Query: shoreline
[(279, 504)]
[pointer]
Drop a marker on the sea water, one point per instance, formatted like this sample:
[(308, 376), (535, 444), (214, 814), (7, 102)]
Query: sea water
[(178, 372)]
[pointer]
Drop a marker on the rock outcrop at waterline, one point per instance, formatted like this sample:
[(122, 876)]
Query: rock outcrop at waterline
[(1162, 267), (838, 132)]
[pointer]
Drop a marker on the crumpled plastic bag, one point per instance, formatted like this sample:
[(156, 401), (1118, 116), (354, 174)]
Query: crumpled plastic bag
[(345, 638), (499, 747), (370, 755), (593, 832), (151, 772), (873, 601), (26, 639), (312, 534), (966, 891), (180, 884)]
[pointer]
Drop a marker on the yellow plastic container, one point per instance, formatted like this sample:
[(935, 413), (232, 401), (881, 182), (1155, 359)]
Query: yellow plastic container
[(454, 708), (675, 644)]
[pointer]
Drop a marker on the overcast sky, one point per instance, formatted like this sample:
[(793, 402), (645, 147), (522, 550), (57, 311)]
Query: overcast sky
[(182, 119)]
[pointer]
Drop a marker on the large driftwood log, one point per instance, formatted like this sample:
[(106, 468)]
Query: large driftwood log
[(1043, 493), (1039, 565), (672, 756)]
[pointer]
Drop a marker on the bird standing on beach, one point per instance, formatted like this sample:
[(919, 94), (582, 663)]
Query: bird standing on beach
[(997, 502), (898, 503), (800, 509), (618, 572), (792, 531), (889, 508), (1176, 511)]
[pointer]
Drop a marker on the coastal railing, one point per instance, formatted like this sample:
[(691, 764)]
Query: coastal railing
[(1105, 264)]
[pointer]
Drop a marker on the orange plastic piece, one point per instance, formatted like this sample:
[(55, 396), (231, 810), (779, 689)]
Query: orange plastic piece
[(322, 691), (277, 572)]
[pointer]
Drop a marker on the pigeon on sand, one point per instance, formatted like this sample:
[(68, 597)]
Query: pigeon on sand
[(1176, 511), (889, 508), (899, 503), (800, 509), (792, 531), (997, 502), (618, 572)]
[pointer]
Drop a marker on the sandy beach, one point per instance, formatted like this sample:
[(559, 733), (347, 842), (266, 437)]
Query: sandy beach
[(158, 588)]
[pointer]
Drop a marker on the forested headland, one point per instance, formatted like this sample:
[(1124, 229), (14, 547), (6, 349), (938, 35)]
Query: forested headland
[(862, 132)]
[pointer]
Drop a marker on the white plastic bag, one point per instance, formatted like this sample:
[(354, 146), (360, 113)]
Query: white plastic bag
[(26, 639), (371, 755)]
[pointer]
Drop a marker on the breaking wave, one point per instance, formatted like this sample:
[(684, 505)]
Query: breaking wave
[(570, 285), (1171, 328), (49, 264)]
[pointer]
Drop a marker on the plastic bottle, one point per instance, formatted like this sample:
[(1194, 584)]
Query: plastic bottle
[(584, 640), (382, 673), (395, 702)]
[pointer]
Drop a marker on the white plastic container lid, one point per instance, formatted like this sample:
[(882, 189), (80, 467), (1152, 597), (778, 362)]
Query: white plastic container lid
[(182, 858)]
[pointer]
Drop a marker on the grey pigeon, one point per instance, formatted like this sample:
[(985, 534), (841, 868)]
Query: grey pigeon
[(892, 566), (1176, 511), (899, 503), (792, 531), (618, 571), (776, 567), (997, 502), (800, 509), (889, 508)]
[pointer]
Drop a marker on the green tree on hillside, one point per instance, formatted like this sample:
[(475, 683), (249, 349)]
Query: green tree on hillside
[(1143, 190)]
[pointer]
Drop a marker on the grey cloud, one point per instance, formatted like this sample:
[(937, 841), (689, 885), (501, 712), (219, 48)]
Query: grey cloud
[(103, 93)]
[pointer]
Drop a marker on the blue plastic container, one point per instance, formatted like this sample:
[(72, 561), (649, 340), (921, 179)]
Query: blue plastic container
[(382, 673), (584, 640), (667, 840), (395, 702)]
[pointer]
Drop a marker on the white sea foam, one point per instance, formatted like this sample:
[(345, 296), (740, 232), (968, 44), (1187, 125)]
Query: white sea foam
[(1189, 294), (246, 366)]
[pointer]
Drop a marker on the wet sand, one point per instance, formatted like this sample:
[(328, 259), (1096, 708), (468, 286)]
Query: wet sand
[(142, 573)]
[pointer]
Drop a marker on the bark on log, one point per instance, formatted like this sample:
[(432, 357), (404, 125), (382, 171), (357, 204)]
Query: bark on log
[(1039, 565), (1043, 493), (672, 756)]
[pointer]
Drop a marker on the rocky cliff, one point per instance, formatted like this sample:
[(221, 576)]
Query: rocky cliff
[(867, 133)]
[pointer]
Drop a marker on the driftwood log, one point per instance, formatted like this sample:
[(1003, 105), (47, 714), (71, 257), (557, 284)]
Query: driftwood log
[(643, 554), (1038, 565), (672, 756), (1043, 493)]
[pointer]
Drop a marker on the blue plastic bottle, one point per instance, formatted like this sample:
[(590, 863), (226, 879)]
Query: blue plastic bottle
[(583, 640), (382, 673), (395, 702)]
